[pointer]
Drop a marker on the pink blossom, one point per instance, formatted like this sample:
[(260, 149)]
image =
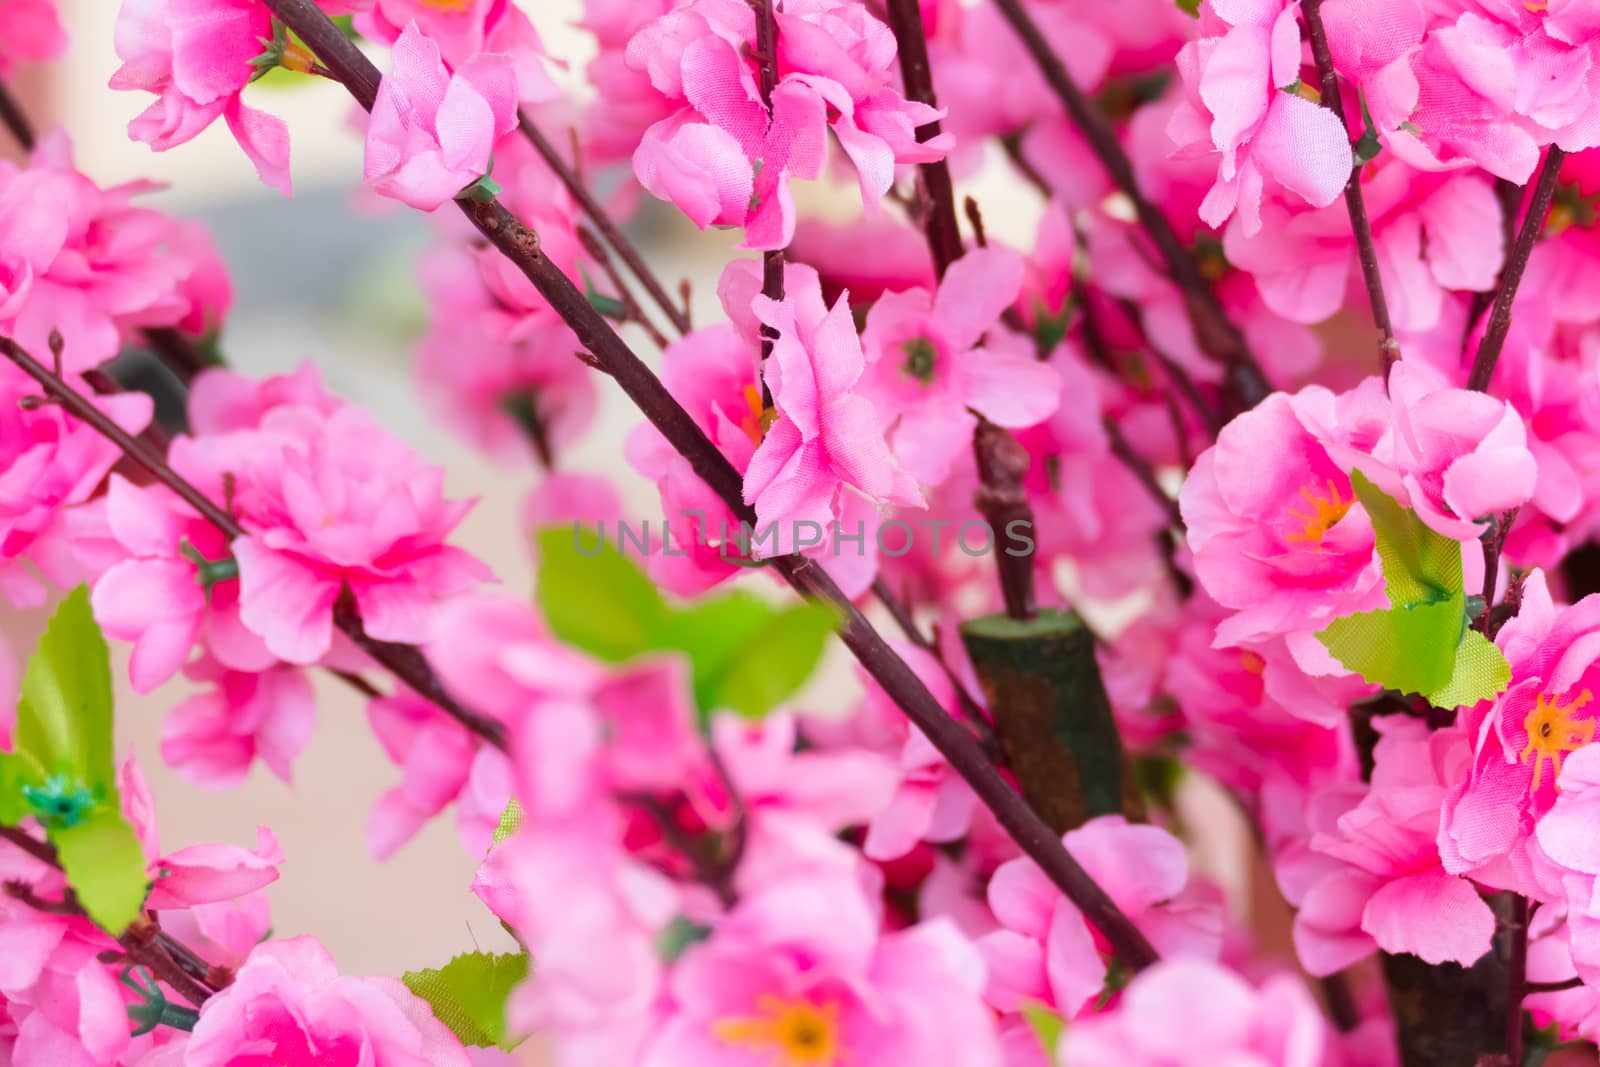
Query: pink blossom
[(835, 73), (927, 376), (289, 1002), (195, 56), (1046, 951), (1520, 741), (1462, 456), (462, 29), (159, 597), (50, 464), (30, 32), (69, 1005), (432, 132), (97, 265), (1238, 78), (1566, 835), (441, 763), (827, 442), (330, 501), (1192, 1012), (1388, 888), (214, 736), (1433, 234), (1277, 534), (800, 969)]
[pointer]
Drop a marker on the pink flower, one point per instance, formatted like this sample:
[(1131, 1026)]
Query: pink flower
[(1275, 528), (441, 763), (800, 969), (1236, 76), (160, 597), (1566, 834), (1193, 1013), (1434, 234), (214, 736), (1520, 741), (827, 442), (432, 132), (1389, 888), (195, 56), (97, 266), (30, 32), (50, 463), (927, 376), (330, 501), (835, 73), (290, 1004), (462, 29), (1462, 456), (1046, 951)]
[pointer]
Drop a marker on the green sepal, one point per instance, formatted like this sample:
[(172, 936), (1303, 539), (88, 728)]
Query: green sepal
[(469, 993)]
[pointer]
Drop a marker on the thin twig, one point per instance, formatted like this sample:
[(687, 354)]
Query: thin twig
[(1354, 202), (1516, 976), (1218, 337), (404, 661), (805, 575), (940, 224), (1142, 470), (15, 119), (602, 221), (1494, 337), (1553, 987), (771, 260), (630, 307)]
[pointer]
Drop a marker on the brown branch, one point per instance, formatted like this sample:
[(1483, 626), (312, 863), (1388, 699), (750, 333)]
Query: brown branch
[(404, 661), (771, 261), (15, 119), (630, 307), (1494, 337), (1354, 202), (939, 222), (1554, 987), (1219, 338), (1142, 470), (1516, 975), (521, 246), (568, 177), (144, 942)]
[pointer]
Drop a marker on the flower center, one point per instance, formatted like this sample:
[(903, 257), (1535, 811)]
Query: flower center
[(797, 1032), (1553, 732), (1325, 511), (449, 7), (921, 356), (757, 418)]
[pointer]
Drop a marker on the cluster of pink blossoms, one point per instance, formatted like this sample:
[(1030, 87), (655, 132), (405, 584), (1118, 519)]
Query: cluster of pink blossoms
[(814, 882)]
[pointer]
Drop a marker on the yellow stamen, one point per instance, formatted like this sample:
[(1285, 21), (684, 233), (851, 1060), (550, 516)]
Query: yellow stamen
[(449, 7), (298, 58), (1325, 512), (757, 418), (1553, 732), (1252, 662), (797, 1032)]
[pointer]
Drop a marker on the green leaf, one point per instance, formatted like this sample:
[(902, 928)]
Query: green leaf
[(594, 598), (104, 865), (772, 662), (510, 821), (17, 773), (469, 993), (745, 654), (1419, 565), (1480, 672), (1411, 650), (64, 717), (1421, 643), (1046, 1024), (1189, 7)]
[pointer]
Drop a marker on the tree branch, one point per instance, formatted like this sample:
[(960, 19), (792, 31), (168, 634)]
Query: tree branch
[(403, 661), (678, 316), (939, 221), (1354, 202), (614, 356), (1218, 337), (15, 119), (771, 261), (1494, 337)]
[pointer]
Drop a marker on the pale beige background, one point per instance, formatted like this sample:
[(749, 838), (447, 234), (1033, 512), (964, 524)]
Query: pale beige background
[(415, 909)]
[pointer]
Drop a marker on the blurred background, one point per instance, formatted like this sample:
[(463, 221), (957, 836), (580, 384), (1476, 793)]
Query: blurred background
[(329, 276)]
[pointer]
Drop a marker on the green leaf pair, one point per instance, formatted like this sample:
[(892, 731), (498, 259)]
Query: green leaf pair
[(1422, 642), (746, 654), (62, 772)]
